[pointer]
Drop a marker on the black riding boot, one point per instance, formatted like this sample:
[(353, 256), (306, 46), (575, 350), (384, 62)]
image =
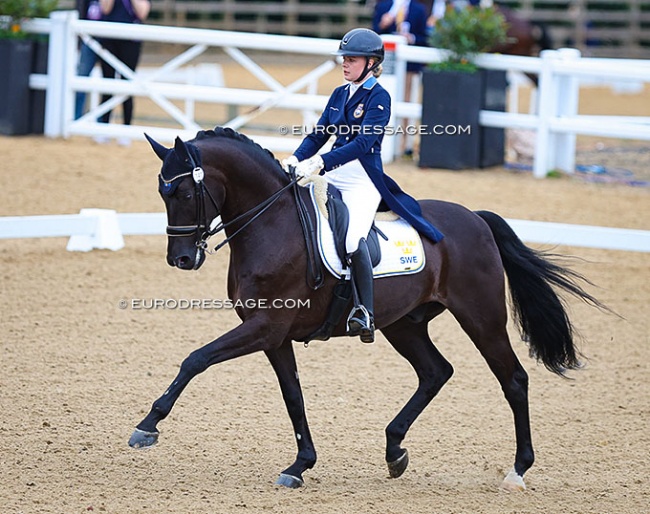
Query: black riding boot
[(361, 320)]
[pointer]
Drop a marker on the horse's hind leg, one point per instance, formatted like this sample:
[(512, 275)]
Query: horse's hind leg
[(486, 326), (412, 342)]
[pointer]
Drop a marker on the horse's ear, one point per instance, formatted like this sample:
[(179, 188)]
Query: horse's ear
[(159, 149), (181, 150)]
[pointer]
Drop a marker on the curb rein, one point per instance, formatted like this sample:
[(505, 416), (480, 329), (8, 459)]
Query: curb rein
[(203, 230)]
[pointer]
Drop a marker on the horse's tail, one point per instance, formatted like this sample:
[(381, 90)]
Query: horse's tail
[(539, 311)]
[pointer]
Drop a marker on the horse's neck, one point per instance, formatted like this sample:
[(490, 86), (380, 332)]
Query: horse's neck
[(244, 195), (249, 189), (250, 180), (268, 235)]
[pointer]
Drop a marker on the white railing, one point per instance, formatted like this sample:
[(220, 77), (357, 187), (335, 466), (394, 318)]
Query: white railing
[(104, 229), (62, 82), (556, 121)]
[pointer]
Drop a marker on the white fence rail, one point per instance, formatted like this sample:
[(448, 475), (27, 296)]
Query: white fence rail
[(103, 229), (556, 122)]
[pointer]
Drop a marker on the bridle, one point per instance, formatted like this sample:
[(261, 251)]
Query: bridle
[(201, 228), (204, 230)]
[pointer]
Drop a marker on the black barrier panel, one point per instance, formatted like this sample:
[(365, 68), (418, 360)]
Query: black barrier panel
[(15, 67), (453, 99)]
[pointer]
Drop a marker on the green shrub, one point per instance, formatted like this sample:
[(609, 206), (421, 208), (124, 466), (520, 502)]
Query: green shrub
[(465, 33), (14, 12)]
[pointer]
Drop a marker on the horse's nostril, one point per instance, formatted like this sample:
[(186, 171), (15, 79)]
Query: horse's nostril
[(183, 262)]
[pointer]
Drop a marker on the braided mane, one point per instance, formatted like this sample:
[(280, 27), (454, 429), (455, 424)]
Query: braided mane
[(229, 133)]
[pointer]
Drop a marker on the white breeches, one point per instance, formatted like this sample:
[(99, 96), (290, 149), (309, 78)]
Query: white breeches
[(361, 198)]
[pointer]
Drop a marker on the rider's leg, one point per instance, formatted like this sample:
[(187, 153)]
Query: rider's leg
[(361, 320)]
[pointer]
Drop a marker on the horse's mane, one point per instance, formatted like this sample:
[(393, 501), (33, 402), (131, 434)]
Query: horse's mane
[(229, 133)]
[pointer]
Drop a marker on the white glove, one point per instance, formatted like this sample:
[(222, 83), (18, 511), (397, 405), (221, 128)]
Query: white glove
[(292, 160), (309, 166)]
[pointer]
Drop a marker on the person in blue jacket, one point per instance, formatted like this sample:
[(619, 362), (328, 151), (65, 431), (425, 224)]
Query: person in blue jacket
[(357, 113), (404, 17), (407, 18)]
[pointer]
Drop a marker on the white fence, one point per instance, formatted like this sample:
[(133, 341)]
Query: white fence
[(104, 229), (556, 122)]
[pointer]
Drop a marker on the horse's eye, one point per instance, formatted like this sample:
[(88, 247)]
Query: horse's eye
[(188, 196)]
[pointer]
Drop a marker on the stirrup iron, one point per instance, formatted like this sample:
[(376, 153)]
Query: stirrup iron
[(362, 325)]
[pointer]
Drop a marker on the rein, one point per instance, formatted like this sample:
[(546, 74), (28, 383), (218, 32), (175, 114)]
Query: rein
[(262, 207), (202, 228)]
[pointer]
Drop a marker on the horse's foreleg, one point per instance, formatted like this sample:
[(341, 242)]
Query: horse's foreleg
[(433, 370), (249, 337), (284, 363)]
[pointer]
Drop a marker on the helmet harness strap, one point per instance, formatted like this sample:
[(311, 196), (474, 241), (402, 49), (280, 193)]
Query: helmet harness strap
[(367, 69)]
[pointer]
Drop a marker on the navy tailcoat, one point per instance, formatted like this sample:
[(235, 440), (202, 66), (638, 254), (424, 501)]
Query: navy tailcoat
[(359, 124)]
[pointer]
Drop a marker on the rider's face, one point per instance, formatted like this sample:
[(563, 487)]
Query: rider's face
[(353, 67)]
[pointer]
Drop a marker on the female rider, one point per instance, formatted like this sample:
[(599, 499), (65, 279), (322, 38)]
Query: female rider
[(357, 113)]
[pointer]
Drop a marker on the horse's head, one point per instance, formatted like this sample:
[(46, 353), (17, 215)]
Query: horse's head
[(190, 204)]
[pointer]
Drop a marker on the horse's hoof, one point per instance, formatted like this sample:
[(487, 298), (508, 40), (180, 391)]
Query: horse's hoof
[(289, 481), (397, 467), (142, 439), (513, 482)]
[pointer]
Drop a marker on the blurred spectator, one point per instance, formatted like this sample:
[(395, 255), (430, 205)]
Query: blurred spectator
[(127, 51), (438, 9), (409, 19), (88, 10)]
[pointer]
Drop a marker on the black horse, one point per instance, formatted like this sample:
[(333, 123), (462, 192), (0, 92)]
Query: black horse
[(223, 173)]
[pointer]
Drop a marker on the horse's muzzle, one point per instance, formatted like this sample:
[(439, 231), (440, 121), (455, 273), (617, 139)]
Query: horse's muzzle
[(187, 262)]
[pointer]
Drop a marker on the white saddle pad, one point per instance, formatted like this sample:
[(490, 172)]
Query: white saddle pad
[(402, 254)]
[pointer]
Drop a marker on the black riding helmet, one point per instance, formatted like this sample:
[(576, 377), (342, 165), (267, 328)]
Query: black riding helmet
[(362, 43)]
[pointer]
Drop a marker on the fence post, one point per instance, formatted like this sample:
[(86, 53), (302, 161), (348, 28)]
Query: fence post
[(61, 50), (567, 105), (546, 110), (393, 79)]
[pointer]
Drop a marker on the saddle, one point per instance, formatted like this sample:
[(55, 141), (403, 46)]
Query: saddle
[(339, 219), (399, 251)]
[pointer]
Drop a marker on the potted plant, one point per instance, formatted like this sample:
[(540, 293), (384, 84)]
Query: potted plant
[(455, 90), (21, 110)]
